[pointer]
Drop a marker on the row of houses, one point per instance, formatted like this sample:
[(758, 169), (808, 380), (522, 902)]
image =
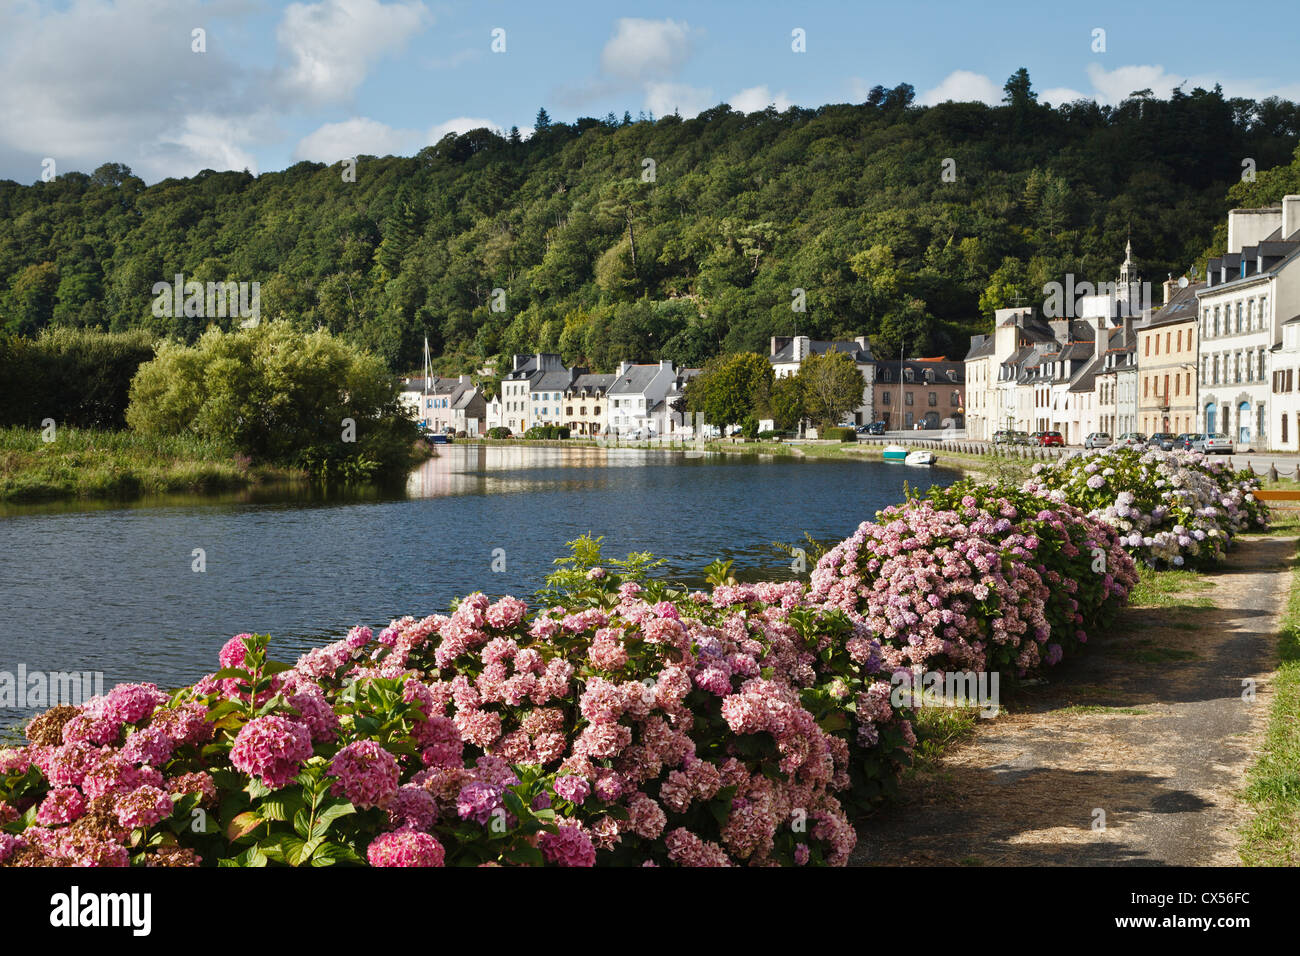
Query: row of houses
[(636, 401), (647, 400), (1217, 355), (903, 393)]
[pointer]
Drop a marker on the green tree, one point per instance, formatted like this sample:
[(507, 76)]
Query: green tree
[(730, 388), (279, 395), (831, 386)]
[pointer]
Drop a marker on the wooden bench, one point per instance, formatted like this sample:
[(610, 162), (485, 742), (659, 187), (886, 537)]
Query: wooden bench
[(1276, 495), (1279, 500)]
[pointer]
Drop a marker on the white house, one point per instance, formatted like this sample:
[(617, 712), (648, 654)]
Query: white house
[(1250, 293), (633, 395)]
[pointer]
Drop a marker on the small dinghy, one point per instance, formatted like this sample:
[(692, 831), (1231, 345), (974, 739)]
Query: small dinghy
[(895, 453), (920, 458)]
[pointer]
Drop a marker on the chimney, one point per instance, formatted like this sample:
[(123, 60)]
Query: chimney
[(622, 368), (1290, 216), (1246, 227), (800, 348), (1169, 286), (779, 342), (666, 365)]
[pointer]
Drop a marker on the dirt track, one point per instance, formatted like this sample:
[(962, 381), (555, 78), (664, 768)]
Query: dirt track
[(1159, 738)]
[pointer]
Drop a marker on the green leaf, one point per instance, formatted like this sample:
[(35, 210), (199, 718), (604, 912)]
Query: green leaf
[(243, 825)]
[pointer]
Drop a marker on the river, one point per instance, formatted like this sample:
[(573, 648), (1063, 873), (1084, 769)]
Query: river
[(113, 588)]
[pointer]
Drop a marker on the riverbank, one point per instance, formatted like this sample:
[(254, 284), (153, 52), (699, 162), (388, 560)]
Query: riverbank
[(123, 465)]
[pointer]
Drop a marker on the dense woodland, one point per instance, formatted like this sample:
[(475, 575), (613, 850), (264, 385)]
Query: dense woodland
[(847, 202)]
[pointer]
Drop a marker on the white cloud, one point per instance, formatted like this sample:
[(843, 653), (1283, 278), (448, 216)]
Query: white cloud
[(96, 81), (1115, 85), (332, 45), (757, 98), (644, 49), (362, 136), (1112, 86), (1059, 95), (663, 98), (963, 86), (204, 141), (461, 124), (357, 136)]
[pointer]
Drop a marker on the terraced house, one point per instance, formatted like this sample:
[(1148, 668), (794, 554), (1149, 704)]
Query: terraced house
[(1250, 294), (1167, 371), (928, 391)]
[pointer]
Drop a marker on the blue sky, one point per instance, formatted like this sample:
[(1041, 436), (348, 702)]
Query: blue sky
[(92, 81)]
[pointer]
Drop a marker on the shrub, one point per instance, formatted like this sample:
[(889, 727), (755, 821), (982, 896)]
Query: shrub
[(1171, 508), (78, 378), (547, 432), (839, 434), (498, 432), (279, 396), (965, 580)]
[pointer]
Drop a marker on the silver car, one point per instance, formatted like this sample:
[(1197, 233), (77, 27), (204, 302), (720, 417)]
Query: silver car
[(1097, 440), (1213, 445)]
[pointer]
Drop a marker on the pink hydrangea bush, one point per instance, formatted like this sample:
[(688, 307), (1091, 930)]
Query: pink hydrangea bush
[(976, 579), (624, 731)]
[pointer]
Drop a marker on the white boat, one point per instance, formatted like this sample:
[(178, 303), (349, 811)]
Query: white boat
[(919, 457), (895, 453)]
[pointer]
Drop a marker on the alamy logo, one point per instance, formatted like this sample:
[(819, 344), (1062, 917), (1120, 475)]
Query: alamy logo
[(37, 690), (215, 300), (946, 689), (76, 909), (1066, 301)]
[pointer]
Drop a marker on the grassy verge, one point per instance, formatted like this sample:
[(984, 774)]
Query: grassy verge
[(1272, 838), (118, 465)]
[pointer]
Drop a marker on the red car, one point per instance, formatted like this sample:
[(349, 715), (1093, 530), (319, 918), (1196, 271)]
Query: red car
[(1051, 438)]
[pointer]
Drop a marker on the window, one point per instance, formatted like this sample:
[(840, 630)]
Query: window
[(568, 410), (934, 399), (1145, 383), (884, 398), (1180, 340), (1148, 346), (1169, 337), (956, 399), (907, 398)]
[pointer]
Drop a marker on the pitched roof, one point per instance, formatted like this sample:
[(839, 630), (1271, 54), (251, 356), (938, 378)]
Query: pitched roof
[(635, 380), (785, 355)]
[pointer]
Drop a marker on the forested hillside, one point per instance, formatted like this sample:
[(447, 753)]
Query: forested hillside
[(848, 203)]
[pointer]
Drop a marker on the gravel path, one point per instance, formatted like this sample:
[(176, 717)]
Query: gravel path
[(1149, 726)]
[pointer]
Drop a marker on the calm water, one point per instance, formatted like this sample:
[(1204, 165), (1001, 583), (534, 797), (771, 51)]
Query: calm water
[(113, 589)]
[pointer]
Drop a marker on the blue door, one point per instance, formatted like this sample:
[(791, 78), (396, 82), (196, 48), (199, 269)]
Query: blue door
[(1243, 422), (1210, 410)]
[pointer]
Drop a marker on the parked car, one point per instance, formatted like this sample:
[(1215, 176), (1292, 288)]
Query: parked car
[(1213, 445), (1162, 440), (1132, 438), (875, 428), (1002, 437), (1035, 438), (1184, 441), (1022, 438), (1096, 440), (1050, 438)]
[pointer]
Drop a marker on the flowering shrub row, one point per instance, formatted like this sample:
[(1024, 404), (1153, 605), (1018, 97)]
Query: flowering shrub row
[(1171, 509), (980, 577), (624, 727)]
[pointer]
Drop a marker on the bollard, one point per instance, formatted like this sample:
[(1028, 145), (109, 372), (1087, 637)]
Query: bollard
[(1272, 472)]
